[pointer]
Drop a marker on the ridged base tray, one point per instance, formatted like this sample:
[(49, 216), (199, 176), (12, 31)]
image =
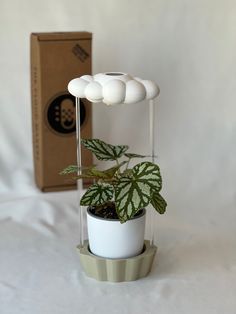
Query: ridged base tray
[(117, 270)]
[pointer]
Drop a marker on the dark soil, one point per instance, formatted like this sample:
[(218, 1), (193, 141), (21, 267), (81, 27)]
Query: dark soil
[(107, 210)]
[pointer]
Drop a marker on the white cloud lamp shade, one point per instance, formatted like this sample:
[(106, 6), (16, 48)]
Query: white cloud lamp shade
[(113, 88)]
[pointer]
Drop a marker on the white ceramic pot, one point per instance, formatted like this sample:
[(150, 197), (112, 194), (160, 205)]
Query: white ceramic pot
[(110, 239)]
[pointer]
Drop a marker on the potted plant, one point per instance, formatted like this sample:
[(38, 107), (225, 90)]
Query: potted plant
[(117, 199)]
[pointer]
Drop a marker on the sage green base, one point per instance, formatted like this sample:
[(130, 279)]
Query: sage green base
[(117, 270)]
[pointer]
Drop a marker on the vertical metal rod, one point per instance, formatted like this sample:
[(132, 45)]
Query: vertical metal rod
[(151, 129), (152, 154), (79, 164)]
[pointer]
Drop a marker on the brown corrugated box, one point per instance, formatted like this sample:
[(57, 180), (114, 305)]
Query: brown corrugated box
[(56, 58)]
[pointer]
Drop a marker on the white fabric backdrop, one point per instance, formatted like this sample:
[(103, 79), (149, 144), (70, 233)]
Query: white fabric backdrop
[(189, 48)]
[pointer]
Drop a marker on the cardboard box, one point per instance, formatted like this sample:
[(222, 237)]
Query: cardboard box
[(56, 58)]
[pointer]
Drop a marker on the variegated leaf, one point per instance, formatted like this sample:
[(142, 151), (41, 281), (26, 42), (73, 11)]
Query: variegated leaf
[(104, 151), (97, 194), (70, 169), (134, 191), (73, 169), (158, 203), (130, 155)]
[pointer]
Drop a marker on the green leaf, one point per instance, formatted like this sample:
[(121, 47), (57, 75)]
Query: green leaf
[(104, 151), (91, 174), (104, 174), (133, 192), (94, 173), (82, 176), (159, 203), (97, 194), (97, 173), (70, 169), (74, 169), (130, 156), (110, 173)]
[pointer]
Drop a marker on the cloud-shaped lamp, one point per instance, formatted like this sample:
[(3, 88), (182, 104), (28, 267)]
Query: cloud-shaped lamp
[(113, 88)]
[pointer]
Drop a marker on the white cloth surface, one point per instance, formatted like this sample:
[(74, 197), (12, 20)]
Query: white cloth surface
[(193, 272), (189, 49)]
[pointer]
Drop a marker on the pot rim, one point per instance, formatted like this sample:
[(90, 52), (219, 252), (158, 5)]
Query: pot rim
[(115, 220)]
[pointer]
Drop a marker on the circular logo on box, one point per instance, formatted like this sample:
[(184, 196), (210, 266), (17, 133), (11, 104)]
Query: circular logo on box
[(61, 114)]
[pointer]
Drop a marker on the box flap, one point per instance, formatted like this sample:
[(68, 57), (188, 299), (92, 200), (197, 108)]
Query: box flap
[(62, 36)]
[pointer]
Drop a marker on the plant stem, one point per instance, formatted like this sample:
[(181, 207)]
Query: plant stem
[(118, 165), (127, 165), (117, 162)]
